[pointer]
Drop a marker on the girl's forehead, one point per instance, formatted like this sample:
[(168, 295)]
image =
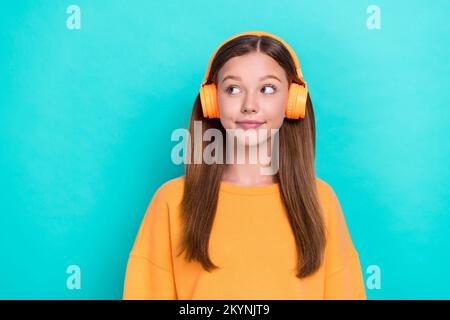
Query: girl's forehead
[(253, 63)]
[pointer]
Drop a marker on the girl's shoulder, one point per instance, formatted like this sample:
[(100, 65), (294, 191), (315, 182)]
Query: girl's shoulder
[(171, 190), (328, 200), (324, 189)]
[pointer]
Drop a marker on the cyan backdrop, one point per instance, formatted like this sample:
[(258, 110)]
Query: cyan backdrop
[(86, 117)]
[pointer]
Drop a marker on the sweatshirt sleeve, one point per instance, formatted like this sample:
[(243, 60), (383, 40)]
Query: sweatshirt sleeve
[(343, 279), (149, 272)]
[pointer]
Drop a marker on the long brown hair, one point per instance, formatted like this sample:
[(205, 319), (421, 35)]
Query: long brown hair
[(296, 173)]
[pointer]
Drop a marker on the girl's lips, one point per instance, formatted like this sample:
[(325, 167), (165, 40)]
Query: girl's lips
[(249, 125)]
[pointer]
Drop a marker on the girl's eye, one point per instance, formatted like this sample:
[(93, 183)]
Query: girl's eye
[(231, 88), (271, 90)]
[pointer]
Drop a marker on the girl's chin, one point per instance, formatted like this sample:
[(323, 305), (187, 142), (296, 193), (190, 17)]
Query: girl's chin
[(251, 142)]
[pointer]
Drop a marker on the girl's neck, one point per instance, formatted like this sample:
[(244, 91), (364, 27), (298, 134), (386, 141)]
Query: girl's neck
[(247, 174)]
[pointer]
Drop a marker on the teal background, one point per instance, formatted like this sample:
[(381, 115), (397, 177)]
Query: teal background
[(86, 117)]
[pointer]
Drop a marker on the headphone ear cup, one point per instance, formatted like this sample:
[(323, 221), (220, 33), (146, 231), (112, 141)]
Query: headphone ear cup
[(296, 106), (208, 97), (214, 98), (204, 101)]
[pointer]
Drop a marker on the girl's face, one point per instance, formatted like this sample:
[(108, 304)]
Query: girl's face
[(252, 87)]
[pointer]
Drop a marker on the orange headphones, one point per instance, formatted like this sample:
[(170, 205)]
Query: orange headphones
[(296, 105)]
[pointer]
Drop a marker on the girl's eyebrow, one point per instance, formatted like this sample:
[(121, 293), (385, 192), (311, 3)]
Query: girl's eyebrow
[(260, 79)]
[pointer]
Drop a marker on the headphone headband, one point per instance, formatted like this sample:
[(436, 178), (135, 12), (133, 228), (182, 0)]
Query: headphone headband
[(257, 33)]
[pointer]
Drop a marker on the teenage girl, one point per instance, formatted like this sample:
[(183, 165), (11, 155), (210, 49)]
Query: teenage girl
[(229, 230)]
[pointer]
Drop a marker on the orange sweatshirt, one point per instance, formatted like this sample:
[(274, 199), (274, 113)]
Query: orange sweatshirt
[(252, 243)]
